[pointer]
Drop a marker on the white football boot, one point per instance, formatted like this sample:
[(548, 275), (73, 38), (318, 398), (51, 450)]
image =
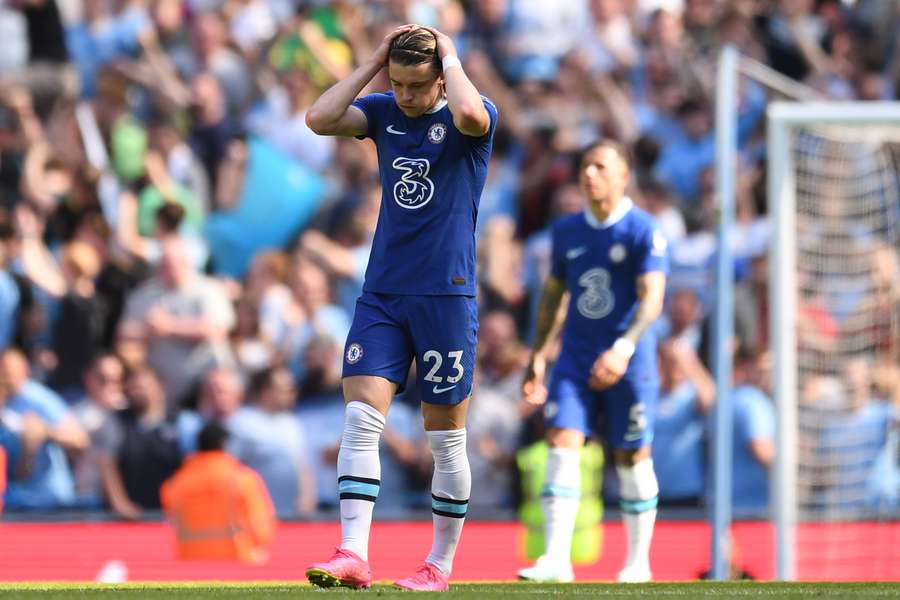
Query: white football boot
[(548, 571)]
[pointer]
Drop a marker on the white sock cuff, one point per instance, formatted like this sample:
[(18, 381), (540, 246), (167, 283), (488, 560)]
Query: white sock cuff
[(639, 481), (449, 438), (360, 413)]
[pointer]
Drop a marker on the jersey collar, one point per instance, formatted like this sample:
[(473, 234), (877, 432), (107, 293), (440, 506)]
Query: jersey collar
[(438, 106), (614, 217)]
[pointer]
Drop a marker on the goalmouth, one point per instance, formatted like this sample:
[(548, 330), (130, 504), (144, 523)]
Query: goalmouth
[(853, 130)]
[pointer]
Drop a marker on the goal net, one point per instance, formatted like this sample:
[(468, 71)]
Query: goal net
[(834, 177)]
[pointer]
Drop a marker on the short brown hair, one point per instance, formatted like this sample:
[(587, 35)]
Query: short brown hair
[(620, 148), (415, 47)]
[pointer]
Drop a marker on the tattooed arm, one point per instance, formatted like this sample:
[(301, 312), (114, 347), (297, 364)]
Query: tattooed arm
[(612, 364), (533, 388)]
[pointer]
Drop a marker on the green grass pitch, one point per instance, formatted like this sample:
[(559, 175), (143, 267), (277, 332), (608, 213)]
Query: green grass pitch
[(473, 591)]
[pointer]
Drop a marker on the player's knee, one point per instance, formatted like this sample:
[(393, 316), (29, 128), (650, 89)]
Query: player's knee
[(363, 425), (439, 417), (373, 391), (564, 438), (628, 457)]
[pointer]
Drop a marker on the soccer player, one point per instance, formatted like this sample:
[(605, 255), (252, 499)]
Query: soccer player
[(611, 258), (433, 132)]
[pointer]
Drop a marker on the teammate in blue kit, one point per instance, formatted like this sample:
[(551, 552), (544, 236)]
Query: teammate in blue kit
[(612, 260), (433, 132)]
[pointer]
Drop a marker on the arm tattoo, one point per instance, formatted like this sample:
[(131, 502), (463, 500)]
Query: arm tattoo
[(650, 291), (549, 306)]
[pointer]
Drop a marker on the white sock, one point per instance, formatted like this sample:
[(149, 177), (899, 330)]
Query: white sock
[(640, 495), (450, 488), (560, 498), (359, 475)]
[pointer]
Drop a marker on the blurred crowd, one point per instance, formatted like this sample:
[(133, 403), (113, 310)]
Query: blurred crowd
[(178, 248)]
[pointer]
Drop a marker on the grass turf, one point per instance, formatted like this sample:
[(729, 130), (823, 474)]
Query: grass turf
[(473, 591)]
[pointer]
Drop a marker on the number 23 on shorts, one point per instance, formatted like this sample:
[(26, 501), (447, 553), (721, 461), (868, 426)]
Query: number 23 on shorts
[(439, 384)]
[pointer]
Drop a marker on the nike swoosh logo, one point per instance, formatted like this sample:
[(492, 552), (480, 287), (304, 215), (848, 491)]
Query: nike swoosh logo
[(440, 390), (390, 129), (575, 252)]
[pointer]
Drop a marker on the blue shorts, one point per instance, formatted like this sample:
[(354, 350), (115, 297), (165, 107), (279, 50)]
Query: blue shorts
[(440, 332), (626, 410)]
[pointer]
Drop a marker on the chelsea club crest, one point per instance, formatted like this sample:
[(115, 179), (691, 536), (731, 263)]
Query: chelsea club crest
[(354, 353), (437, 133)]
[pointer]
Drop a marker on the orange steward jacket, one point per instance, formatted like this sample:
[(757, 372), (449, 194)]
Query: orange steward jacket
[(220, 509)]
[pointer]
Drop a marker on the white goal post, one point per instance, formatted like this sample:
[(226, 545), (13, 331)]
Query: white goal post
[(831, 121)]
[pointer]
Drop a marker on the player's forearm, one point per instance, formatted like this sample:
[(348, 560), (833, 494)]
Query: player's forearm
[(651, 288), (546, 315), (325, 112), (465, 103)]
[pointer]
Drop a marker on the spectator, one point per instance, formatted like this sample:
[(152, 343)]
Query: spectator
[(78, 331), (853, 434), (9, 289), (268, 437), (681, 162), (219, 508), (345, 258), (102, 400), (103, 37), (212, 54), (221, 396), (181, 165), (213, 128), (267, 288), (494, 428), (313, 313), (184, 317), (754, 434), (44, 429), (142, 447), (686, 396), (252, 350), (282, 121), (656, 199), (683, 319), (163, 189)]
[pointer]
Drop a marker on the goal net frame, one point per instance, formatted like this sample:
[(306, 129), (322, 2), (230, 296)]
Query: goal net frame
[(783, 118)]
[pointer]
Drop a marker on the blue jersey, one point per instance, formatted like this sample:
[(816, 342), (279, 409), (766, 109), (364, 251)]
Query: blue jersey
[(431, 181), (600, 264)]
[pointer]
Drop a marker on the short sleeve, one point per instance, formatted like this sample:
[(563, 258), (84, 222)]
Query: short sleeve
[(371, 106), (12, 444), (46, 403), (652, 251), (760, 418), (481, 145), (493, 113), (557, 255), (110, 436), (137, 304)]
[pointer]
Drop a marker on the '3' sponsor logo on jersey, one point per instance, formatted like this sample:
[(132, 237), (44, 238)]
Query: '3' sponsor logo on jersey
[(597, 300), (414, 189)]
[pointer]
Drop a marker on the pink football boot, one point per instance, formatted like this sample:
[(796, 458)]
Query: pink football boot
[(427, 579), (344, 568)]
